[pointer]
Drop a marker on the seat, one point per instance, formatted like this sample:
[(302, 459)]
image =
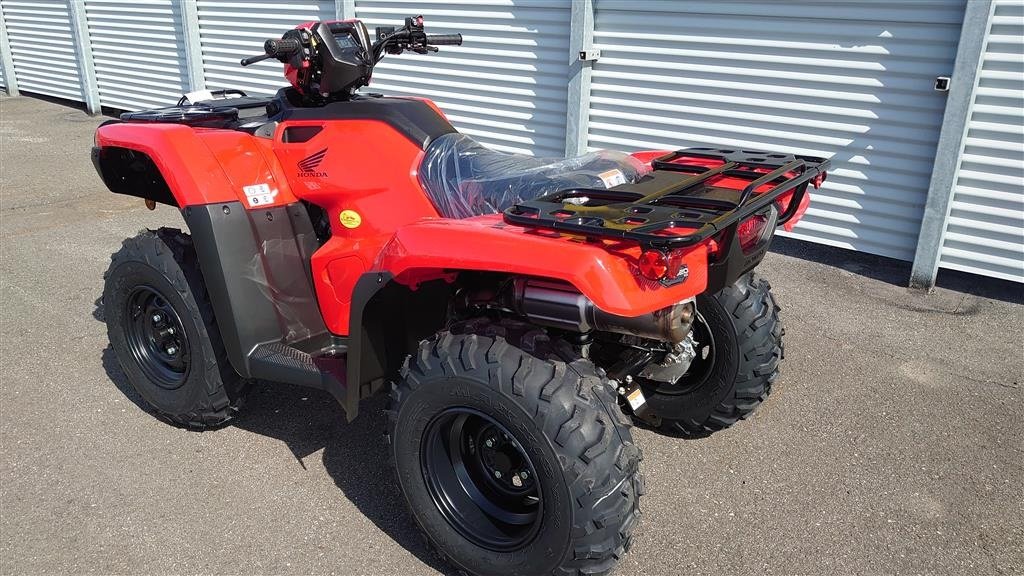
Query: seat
[(464, 178)]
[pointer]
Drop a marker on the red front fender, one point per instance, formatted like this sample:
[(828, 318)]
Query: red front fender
[(605, 272), (202, 166)]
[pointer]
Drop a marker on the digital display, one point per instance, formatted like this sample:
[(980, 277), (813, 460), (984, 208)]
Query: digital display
[(345, 40)]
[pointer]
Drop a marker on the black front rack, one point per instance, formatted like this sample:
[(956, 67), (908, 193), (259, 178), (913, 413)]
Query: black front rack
[(677, 195)]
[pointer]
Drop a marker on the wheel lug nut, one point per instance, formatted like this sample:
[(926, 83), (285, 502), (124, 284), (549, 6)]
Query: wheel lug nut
[(524, 474), (489, 443), (497, 473), (170, 330), (172, 350), (157, 317)]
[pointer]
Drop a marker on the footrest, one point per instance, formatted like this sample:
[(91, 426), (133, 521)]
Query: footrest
[(280, 362)]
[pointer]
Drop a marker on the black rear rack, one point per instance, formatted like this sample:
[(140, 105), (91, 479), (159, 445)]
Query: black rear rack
[(679, 194)]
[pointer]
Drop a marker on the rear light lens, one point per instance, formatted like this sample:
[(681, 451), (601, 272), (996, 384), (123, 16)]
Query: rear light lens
[(819, 180), (658, 265), (751, 230), (653, 264)]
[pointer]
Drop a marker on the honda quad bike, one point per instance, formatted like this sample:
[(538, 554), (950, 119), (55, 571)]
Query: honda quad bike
[(521, 311)]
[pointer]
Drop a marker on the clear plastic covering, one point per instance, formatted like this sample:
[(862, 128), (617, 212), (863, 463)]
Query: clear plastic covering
[(280, 269), (465, 178)]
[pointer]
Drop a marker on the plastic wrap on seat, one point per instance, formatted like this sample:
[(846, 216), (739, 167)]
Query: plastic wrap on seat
[(465, 178)]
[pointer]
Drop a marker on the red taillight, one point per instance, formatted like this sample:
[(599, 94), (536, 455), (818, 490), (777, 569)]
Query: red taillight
[(658, 265), (750, 231), (819, 180), (653, 264)]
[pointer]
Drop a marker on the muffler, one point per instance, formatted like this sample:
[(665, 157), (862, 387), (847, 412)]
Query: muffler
[(560, 305)]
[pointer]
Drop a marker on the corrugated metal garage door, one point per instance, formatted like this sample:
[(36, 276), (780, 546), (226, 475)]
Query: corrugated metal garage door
[(985, 230), (42, 47), (506, 85), (230, 30), (852, 81), (138, 51)]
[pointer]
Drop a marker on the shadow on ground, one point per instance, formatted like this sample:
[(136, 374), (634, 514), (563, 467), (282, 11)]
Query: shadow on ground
[(355, 454)]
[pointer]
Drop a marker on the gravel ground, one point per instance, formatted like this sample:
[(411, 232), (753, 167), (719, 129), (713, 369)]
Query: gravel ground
[(893, 443)]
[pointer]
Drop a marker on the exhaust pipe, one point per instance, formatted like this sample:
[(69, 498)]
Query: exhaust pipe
[(559, 305)]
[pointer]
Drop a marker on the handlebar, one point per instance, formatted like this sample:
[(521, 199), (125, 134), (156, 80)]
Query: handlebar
[(275, 48), (393, 40), (444, 39), (390, 40), (278, 47)]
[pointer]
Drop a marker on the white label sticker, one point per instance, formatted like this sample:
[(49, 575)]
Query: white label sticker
[(259, 194), (612, 178), (636, 399)]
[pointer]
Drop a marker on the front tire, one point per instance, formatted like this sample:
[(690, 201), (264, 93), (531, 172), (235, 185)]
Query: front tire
[(741, 331), (512, 453), (162, 329)]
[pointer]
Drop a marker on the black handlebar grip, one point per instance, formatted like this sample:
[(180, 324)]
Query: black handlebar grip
[(444, 39), (281, 47)]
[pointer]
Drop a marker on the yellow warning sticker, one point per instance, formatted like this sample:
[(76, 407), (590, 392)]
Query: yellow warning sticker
[(350, 218)]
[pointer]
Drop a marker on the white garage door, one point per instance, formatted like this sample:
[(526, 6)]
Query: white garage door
[(505, 86), (230, 30), (985, 230), (852, 81), (138, 51), (43, 64)]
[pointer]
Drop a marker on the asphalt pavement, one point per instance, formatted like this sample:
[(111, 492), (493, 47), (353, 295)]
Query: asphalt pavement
[(893, 442)]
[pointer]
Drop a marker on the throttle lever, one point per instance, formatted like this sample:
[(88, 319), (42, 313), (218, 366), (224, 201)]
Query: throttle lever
[(254, 59)]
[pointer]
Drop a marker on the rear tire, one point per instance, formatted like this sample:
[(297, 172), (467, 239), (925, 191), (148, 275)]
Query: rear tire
[(162, 329), (575, 511), (743, 320)]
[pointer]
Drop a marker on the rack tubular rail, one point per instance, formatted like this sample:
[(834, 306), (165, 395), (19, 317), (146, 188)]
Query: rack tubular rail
[(691, 203)]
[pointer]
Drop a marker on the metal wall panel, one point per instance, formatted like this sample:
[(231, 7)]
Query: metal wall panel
[(505, 86), (230, 30), (43, 64), (138, 52), (852, 81), (985, 229)]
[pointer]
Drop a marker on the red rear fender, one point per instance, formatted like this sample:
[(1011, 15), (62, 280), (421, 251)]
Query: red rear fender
[(604, 272)]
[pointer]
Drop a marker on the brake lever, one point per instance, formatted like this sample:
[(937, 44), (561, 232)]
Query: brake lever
[(254, 59)]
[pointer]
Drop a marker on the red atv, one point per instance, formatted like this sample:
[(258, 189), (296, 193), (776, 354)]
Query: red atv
[(522, 311)]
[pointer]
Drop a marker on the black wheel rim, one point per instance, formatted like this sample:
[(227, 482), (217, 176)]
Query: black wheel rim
[(155, 337), (481, 480), (701, 366)]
